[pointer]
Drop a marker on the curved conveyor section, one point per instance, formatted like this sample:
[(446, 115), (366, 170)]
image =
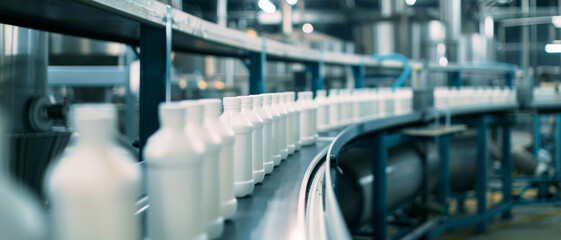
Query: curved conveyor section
[(323, 214)]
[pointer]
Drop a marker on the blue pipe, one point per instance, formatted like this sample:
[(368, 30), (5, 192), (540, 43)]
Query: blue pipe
[(405, 73)]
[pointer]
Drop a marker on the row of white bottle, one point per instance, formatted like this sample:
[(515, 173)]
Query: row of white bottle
[(452, 97), (268, 128), (345, 106), (94, 186)]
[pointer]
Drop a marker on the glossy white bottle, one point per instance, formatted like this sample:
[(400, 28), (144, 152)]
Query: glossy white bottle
[(334, 109), (346, 106), (283, 100), (314, 113), (242, 127), (275, 129), (226, 165), (256, 138), (295, 120), (283, 148), (174, 162), (93, 189), (268, 163), (21, 216), (323, 110), (305, 119), (213, 221)]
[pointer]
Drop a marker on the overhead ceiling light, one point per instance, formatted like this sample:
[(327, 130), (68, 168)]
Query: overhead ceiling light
[(556, 20), (553, 48), (307, 28), (267, 6), (291, 2), (410, 2)]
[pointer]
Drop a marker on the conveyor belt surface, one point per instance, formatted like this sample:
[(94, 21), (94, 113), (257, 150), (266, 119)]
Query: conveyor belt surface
[(271, 212)]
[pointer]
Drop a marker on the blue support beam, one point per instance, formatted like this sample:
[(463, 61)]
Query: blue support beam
[(257, 67), (481, 173), (509, 79), (444, 171), (359, 75), (316, 69), (506, 169), (379, 191), (153, 82), (537, 134), (455, 79), (558, 143)]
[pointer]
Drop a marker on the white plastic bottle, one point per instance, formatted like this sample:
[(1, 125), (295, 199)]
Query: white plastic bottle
[(175, 163), (282, 125), (93, 188), (334, 109), (305, 119), (295, 121), (283, 102), (323, 110), (346, 106), (226, 166), (268, 163), (275, 129), (256, 138), (314, 113), (213, 221), (243, 169), (21, 216)]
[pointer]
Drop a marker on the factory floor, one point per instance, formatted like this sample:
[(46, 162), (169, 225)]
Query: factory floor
[(527, 223)]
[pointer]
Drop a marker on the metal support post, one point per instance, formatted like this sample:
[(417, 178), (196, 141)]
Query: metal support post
[(316, 69), (455, 79), (380, 209), (153, 67), (537, 134), (256, 67), (358, 75), (557, 143), (509, 79), (444, 171), (506, 169), (481, 173)]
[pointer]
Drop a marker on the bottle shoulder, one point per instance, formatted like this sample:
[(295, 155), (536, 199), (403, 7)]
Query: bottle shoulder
[(237, 122)]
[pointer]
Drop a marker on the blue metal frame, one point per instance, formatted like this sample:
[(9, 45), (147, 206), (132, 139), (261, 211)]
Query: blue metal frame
[(558, 144), (257, 65), (444, 185), (379, 191), (316, 69), (506, 173), (153, 68), (359, 75), (537, 134), (481, 171)]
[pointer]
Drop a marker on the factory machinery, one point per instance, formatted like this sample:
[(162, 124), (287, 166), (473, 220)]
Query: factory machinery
[(404, 174)]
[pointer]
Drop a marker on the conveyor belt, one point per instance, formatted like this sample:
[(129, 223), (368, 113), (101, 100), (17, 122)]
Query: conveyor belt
[(271, 212)]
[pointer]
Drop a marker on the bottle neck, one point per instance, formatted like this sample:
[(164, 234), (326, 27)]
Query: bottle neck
[(247, 106), (232, 108), (95, 132)]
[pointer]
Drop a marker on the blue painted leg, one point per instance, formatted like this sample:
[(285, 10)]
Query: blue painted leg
[(507, 169), (444, 172), (153, 61), (316, 69), (537, 134), (379, 211), (358, 74), (481, 171)]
